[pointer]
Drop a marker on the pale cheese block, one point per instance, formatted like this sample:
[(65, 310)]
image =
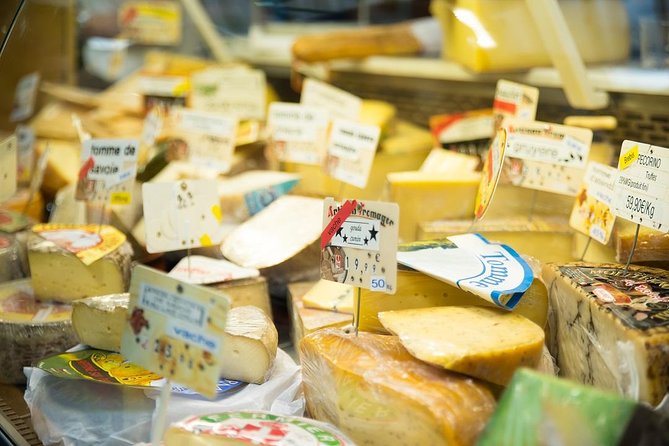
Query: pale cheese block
[(406, 138), (257, 428), (486, 343), (62, 165), (57, 274), (378, 113), (251, 291), (331, 296), (30, 330), (609, 328), (372, 389), (449, 161), (418, 290), (98, 321), (548, 239), (425, 196)]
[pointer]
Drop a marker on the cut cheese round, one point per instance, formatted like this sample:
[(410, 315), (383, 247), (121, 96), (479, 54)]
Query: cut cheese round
[(98, 321), (485, 343)]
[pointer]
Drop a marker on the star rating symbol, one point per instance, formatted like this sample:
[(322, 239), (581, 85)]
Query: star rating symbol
[(372, 233), (345, 238), (341, 228), (365, 240)]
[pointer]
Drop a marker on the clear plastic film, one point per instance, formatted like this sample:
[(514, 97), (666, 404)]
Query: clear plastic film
[(376, 392), (608, 329), (489, 35)]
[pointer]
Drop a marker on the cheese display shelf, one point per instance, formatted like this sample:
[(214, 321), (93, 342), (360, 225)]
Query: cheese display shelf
[(166, 200)]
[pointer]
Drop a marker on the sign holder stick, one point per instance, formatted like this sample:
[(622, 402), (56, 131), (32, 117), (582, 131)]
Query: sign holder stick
[(585, 250), (636, 238)]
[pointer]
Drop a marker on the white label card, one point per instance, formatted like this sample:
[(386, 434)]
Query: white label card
[(351, 151), (108, 168), (339, 103), (297, 132), (8, 157), (205, 270), (181, 215), (24, 97), (513, 100), (642, 188), (239, 92), (591, 214)]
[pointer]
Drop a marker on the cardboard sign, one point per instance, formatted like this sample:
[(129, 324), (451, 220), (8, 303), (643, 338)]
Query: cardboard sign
[(236, 91), (156, 22), (181, 215), (164, 92), (359, 244), (591, 214), (351, 151), (339, 103), (175, 329), (642, 189), (297, 133), (8, 160), (513, 100)]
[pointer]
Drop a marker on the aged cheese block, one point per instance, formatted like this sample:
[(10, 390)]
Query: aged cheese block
[(308, 320), (375, 391), (98, 321), (12, 265), (331, 296), (257, 428), (57, 274), (651, 246), (548, 239), (425, 196), (30, 330), (62, 165), (610, 328), (251, 291), (418, 290), (485, 343)]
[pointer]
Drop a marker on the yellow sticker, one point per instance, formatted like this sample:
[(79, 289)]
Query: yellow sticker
[(628, 158), (216, 210), (120, 198), (205, 240), (182, 88)]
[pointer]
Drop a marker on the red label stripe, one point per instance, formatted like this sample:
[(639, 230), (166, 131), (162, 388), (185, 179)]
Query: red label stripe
[(336, 222)]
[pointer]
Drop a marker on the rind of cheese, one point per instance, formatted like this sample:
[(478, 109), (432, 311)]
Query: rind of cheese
[(651, 245), (62, 165), (331, 296), (375, 391), (609, 327), (98, 321), (251, 291), (418, 290), (58, 274), (485, 343)]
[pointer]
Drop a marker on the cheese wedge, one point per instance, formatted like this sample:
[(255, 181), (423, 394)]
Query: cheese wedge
[(610, 328), (418, 290), (252, 291), (485, 343), (98, 321), (371, 388), (331, 296)]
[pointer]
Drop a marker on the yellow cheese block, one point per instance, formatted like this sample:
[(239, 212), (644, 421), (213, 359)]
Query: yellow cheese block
[(252, 291), (331, 296), (62, 165), (651, 246), (418, 290), (18, 202), (485, 343), (596, 252), (406, 138), (424, 196), (448, 161), (378, 113), (377, 393), (512, 201)]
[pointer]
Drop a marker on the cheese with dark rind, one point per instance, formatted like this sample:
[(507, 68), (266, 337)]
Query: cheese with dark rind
[(372, 389), (610, 328)]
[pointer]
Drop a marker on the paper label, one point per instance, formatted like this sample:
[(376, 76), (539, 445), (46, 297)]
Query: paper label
[(297, 133), (351, 151), (112, 368), (637, 298), (642, 188), (153, 125), (337, 102), (8, 159), (88, 242), (205, 270), (541, 176), (164, 92), (358, 245), (181, 215), (175, 329), (25, 139), (591, 214), (513, 100), (11, 221), (157, 22), (258, 200), (238, 92), (460, 127), (24, 97), (492, 168), (107, 166), (492, 271)]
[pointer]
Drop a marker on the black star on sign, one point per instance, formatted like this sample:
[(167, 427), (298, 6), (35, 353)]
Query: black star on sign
[(365, 240), (341, 228), (345, 238), (372, 233)]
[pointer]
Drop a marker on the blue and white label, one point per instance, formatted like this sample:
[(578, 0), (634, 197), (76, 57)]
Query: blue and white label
[(192, 336), (258, 200)]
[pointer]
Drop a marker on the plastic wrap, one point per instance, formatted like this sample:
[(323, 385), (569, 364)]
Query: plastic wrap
[(81, 413), (609, 328), (258, 428), (13, 263), (29, 330), (375, 391), (489, 35), (537, 410)]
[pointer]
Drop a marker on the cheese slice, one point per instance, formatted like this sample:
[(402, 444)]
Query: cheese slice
[(610, 328), (425, 196), (418, 290), (548, 239), (485, 343), (375, 391), (98, 321), (331, 296)]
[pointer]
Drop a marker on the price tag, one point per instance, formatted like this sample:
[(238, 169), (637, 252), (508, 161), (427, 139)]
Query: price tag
[(8, 169), (453, 129), (351, 151), (181, 215), (642, 188), (239, 92), (25, 139), (156, 22), (591, 214), (492, 169), (108, 169), (153, 125), (164, 92), (359, 244), (89, 243), (297, 132), (175, 329), (339, 103), (205, 270), (24, 97), (513, 100)]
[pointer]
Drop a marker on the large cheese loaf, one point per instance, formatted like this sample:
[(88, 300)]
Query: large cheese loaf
[(610, 328), (375, 391)]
